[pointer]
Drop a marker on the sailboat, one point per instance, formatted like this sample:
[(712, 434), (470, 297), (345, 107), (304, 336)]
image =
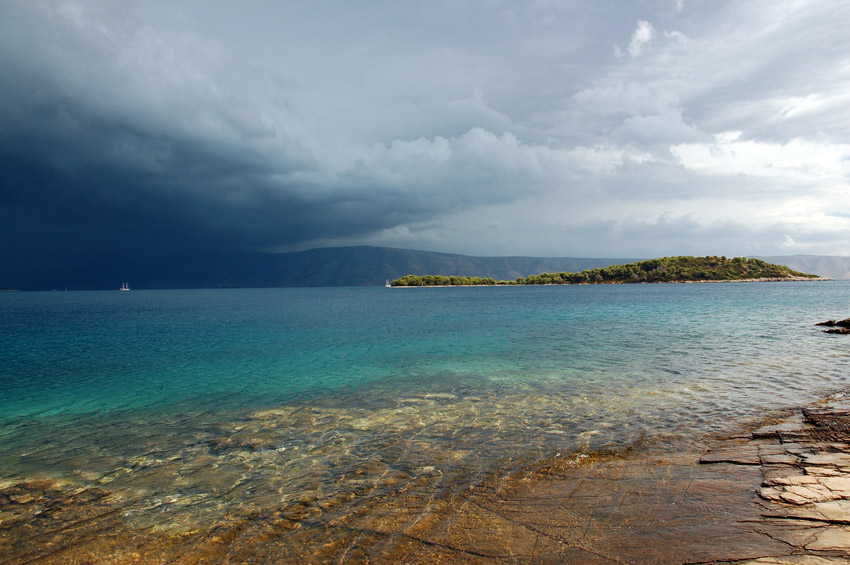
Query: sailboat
[(124, 287), (387, 284)]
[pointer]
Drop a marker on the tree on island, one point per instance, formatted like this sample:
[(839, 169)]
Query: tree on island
[(666, 269)]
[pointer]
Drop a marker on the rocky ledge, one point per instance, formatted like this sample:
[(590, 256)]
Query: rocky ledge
[(777, 495), (838, 327), (805, 489)]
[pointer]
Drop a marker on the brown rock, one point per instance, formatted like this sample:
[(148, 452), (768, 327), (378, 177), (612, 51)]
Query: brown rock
[(822, 471), (796, 560), (785, 459), (792, 481), (739, 455), (845, 323), (831, 539), (838, 485), (774, 430), (836, 511), (828, 459)]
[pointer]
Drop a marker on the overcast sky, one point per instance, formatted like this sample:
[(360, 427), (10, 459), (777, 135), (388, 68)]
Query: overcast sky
[(548, 128)]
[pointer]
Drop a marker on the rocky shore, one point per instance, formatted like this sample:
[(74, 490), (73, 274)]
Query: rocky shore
[(836, 327), (804, 494), (776, 493)]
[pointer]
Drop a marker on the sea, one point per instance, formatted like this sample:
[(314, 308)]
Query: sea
[(188, 408)]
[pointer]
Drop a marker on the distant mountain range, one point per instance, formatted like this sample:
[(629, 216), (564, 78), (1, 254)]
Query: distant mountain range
[(827, 266), (333, 266)]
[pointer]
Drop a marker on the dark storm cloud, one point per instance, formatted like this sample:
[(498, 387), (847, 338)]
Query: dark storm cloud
[(119, 146), (543, 128)]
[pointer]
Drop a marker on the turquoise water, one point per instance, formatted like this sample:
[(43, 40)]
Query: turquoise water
[(93, 352), (232, 400)]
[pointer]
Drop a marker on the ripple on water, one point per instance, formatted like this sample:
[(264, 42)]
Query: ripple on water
[(186, 468)]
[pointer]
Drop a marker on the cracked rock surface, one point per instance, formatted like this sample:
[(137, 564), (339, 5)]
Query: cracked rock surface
[(777, 495), (805, 488)]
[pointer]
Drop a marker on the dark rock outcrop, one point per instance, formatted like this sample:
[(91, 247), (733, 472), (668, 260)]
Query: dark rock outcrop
[(845, 323), (838, 327)]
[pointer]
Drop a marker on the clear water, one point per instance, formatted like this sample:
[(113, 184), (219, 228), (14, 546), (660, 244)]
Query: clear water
[(220, 402)]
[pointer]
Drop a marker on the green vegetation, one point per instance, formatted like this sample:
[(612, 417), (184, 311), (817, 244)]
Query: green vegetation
[(667, 269), (440, 280)]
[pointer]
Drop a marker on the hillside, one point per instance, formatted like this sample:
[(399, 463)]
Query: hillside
[(337, 266), (827, 266), (333, 266), (667, 269)]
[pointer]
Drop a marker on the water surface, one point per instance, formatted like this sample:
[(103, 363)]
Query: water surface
[(191, 407)]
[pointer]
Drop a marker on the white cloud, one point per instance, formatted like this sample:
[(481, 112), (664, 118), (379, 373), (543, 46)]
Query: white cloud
[(641, 37), (606, 159), (628, 97), (676, 36), (815, 162)]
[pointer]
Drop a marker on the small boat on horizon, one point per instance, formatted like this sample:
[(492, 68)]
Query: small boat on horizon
[(124, 287), (387, 284)]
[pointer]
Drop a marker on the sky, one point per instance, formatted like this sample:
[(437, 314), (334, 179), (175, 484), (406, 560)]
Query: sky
[(544, 128)]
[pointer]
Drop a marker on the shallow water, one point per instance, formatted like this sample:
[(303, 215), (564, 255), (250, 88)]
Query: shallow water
[(190, 408)]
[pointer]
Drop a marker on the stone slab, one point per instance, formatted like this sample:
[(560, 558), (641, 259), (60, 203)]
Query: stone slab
[(831, 539), (738, 455)]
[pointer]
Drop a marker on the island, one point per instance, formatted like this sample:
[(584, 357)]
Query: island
[(683, 269)]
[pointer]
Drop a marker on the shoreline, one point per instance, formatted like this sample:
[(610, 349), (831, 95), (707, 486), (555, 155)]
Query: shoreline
[(710, 500), (759, 280), (718, 498)]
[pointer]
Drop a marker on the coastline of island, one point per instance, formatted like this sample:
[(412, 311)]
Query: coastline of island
[(681, 269)]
